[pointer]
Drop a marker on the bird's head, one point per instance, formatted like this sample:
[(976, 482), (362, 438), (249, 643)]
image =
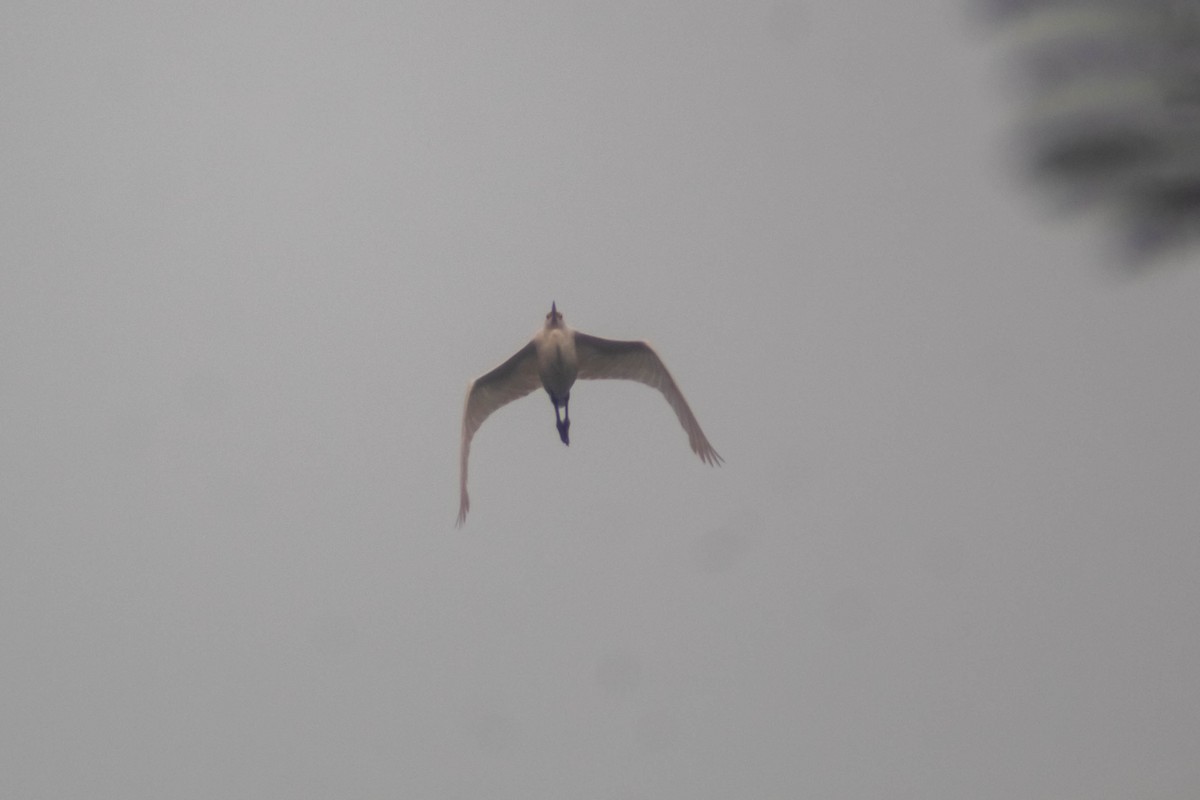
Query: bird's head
[(554, 319)]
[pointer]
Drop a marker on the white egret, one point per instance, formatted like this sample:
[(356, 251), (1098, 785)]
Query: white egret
[(553, 359)]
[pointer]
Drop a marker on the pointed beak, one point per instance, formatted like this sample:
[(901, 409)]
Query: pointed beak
[(553, 307)]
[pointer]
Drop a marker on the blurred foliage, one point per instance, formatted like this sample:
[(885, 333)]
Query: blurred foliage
[(1111, 111)]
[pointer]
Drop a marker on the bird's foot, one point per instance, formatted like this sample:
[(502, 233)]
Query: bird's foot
[(563, 428)]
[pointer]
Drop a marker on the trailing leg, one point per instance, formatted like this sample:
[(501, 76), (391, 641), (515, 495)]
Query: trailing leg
[(563, 422)]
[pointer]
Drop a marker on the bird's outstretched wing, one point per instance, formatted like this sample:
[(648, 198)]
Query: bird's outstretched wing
[(637, 361), (512, 380)]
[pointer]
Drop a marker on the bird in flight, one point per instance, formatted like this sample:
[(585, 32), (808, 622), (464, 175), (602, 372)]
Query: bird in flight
[(553, 359)]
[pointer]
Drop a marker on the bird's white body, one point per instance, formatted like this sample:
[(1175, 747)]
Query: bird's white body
[(553, 359), (557, 360)]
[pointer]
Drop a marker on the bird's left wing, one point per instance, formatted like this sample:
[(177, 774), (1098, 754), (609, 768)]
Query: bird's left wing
[(637, 361), (512, 380)]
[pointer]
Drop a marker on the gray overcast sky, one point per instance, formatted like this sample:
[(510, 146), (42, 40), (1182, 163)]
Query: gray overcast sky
[(251, 258)]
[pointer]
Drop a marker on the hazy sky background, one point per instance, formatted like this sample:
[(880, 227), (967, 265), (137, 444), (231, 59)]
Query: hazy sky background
[(250, 257)]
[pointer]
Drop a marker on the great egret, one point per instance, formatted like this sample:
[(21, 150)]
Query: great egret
[(553, 359)]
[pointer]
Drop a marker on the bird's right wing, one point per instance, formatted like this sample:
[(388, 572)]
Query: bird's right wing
[(637, 361), (512, 380)]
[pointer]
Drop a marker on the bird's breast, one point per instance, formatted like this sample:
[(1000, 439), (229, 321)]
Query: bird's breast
[(557, 362)]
